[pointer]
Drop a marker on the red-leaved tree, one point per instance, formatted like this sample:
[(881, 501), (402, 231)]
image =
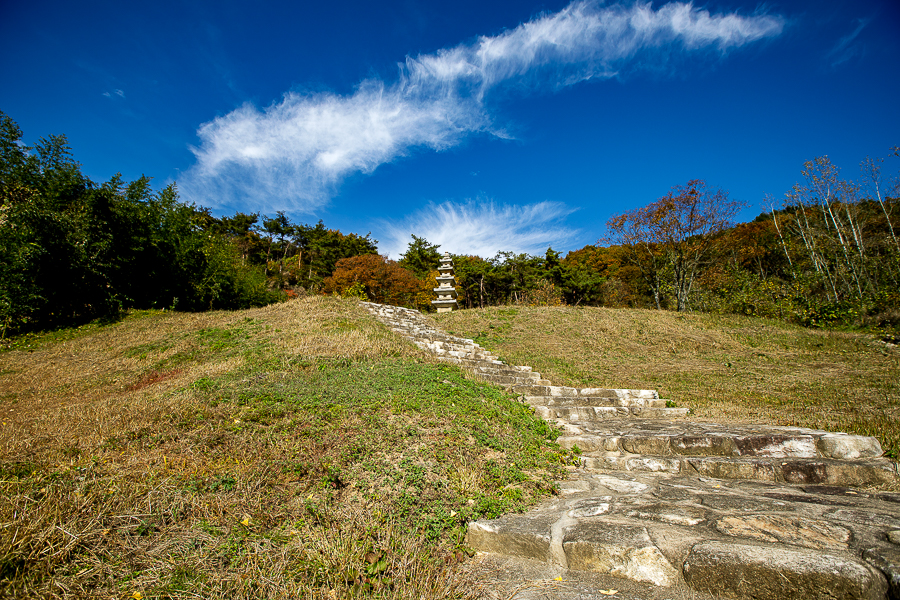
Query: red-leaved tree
[(384, 280), (670, 239)]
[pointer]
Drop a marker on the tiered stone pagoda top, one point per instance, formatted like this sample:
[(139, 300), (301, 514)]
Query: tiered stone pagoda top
[(446, 293)]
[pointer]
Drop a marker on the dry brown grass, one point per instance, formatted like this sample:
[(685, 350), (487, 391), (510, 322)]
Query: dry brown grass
[(107, 491), (79, 392), (295, 451), (725, 367)]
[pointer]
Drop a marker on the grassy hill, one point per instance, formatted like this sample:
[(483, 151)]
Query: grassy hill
[(298, 450), (301, 450), (727, 368)]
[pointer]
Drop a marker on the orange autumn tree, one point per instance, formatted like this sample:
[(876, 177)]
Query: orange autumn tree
[(384, 280), (670, 239), (426, 293)]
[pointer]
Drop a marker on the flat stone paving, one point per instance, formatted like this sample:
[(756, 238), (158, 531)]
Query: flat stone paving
[(742, 539), (667, 508)]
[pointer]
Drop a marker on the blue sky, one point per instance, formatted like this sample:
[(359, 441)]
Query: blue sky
[(480, 125)]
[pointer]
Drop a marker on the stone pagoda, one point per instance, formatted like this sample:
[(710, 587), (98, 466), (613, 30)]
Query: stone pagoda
[(446, 293)]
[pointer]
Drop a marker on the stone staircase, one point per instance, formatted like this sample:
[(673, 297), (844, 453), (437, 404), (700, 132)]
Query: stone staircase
[(791, 455), (661, 504), (565, 404)]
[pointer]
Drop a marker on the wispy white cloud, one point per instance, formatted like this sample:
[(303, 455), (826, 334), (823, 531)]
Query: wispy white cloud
[(847, 48), (481, 227), (118, 93), (293, 154)]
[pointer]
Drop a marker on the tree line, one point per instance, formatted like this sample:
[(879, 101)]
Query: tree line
[(828, 255), (73, 250)]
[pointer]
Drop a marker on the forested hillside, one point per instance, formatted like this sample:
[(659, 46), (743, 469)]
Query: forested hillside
[(73, 250), (829, 255)]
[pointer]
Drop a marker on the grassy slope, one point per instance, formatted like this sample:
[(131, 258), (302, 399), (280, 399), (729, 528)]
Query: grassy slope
[(299, 450), (725, 367)]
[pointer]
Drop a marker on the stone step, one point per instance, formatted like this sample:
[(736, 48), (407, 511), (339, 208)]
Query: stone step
[(473, 354), (688, 536), (506, 380), (525, 377), (439, 340), (858, 473), (506, 370), (585, 401), (497, 364), (590, 414), (711, 439), (512, 578), (502, 370), (763, 453), (555, 391), (447, 345), (466, 362)]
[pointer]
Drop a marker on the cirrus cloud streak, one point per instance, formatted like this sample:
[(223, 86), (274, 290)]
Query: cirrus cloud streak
[(481, 227), (294, 154)]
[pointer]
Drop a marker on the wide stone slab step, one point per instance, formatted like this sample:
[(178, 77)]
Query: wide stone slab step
[(585, 401), (506, 380), (735, 538), (489, 369), (471, 355), (589, 414), (466, 362), (658, 438), (737, 442), (859, 473), (580, 545), (441, 347), (776, 573), (494, 369), (509, 578), (471, 364), (782, 454), (572, 392), (450, 347)]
